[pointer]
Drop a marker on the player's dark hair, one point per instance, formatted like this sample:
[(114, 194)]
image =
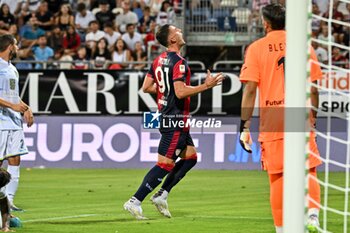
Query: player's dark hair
[(162, 35), (275, 14), (6, 41), (5, 177)]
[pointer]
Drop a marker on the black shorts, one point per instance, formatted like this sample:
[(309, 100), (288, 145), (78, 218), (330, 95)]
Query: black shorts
[(173, 143)]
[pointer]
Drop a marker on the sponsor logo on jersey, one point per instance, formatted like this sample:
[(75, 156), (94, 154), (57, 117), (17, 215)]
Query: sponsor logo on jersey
[(12, 84), (164, 61), (182, 68)]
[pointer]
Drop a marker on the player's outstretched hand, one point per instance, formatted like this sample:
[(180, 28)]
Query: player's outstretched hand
[(28, 117), (212, 81), (20, 107), (245, 139)]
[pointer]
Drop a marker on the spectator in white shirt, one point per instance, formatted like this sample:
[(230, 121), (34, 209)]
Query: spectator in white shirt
[(110, 34), (155, 6), (321, 53), (131, 37), (323, 5), (83, 18), (166, 14), (127, 17), (32, 5), (324, 35), (94, 35), (121, 54)]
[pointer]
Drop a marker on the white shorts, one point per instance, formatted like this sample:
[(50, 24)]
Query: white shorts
[(12, 143)]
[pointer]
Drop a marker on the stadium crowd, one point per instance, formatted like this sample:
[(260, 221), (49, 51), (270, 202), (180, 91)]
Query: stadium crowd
[(94, 32), (98, 31), (339, 32)]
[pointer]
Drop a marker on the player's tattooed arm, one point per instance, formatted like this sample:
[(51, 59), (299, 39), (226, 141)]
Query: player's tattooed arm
[(149, 86)]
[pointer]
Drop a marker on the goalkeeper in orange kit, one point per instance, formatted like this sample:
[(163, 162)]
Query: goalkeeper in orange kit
[(263, 68)]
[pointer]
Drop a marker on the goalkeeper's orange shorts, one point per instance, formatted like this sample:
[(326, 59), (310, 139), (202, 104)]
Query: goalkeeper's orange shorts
[(272, 155)]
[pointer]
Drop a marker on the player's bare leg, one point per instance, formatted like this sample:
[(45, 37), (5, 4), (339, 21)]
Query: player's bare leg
[(187, 161)]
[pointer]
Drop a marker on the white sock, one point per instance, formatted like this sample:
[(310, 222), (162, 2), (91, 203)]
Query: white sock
[(279, 229), (313, 211), (135, 201), (12, 186), (165, 194)]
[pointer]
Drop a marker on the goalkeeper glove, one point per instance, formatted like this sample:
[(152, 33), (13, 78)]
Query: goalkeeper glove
[(245, 139)]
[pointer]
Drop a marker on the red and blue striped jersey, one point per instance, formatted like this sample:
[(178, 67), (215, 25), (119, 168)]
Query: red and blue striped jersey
[(166, 69)]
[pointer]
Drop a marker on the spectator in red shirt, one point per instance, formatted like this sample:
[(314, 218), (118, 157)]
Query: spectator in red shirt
[(336, 13), (339, 59), (71, 41), (150, 38)]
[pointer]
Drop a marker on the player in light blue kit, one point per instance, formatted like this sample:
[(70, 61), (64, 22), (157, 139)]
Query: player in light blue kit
[(11, 106)]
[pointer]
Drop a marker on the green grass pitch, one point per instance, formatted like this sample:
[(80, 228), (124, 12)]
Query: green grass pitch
[(91, 200)]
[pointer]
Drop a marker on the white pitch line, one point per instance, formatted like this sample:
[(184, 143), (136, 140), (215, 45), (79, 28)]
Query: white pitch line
[(187, 216), (227, 217), (60, 218)]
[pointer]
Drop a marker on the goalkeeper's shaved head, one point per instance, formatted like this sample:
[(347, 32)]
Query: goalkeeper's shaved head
[(275, 15)]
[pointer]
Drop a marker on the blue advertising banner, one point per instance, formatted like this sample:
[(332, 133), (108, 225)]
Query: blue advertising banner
[(124, 142)]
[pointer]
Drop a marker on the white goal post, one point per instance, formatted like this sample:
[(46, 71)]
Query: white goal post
[(333, 136), (295, 98)]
